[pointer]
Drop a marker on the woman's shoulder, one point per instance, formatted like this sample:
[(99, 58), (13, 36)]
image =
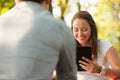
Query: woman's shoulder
[(103, 45), (103, 42)]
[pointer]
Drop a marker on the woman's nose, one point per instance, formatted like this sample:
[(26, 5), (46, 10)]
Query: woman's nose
[(80, 33)]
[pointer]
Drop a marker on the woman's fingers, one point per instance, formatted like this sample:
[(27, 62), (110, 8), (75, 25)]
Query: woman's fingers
[(87, 64), (93, 57), (87, 60), (83, 63)]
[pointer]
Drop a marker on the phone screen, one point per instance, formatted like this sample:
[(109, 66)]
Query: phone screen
[(80, 52)]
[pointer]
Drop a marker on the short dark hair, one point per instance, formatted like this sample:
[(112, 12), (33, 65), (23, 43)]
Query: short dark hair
[(38, 1)]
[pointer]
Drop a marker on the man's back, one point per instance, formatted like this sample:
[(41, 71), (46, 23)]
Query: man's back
[(33, 43)]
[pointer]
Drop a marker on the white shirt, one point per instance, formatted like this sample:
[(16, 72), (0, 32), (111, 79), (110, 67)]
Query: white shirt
[(33, 43)]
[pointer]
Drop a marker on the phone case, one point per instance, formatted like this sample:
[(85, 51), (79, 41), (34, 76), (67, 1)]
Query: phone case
[(82, 51)]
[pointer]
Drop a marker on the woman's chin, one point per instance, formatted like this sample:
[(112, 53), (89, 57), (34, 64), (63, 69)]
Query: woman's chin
[(83, 43)]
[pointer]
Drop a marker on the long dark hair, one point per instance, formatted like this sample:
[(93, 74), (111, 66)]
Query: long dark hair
[(93, 39)]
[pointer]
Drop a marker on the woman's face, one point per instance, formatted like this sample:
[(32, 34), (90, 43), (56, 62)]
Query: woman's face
[(81, 31)]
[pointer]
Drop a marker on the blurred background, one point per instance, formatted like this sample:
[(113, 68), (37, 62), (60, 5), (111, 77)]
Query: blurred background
[(106, 13)]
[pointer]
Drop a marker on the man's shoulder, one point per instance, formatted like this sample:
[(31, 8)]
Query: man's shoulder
[(9, 12), (49, 18)]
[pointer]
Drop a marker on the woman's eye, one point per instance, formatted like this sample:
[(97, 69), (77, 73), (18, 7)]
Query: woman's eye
[(75, 30), (84, 30)]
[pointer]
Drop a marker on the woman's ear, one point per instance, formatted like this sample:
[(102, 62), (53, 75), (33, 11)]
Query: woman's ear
[(47, 1)]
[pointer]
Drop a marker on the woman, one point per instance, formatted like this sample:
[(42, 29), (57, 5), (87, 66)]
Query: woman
[(105, 63)]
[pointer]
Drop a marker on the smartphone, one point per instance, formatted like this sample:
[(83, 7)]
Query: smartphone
[(82, 51)]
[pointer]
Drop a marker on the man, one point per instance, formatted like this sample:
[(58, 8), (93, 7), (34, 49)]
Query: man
[(33, 44)]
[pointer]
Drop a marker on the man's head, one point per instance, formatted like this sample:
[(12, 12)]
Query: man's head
[(43, 3), (38, 1)]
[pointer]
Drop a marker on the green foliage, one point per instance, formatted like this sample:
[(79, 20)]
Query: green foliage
[(5, 5), (108, 21), (63, 6)]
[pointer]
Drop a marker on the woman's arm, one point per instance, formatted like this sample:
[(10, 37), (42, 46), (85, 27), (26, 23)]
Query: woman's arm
[(114, 60)]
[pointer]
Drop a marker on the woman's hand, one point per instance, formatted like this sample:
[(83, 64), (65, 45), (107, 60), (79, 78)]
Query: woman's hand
[(90, 65)]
